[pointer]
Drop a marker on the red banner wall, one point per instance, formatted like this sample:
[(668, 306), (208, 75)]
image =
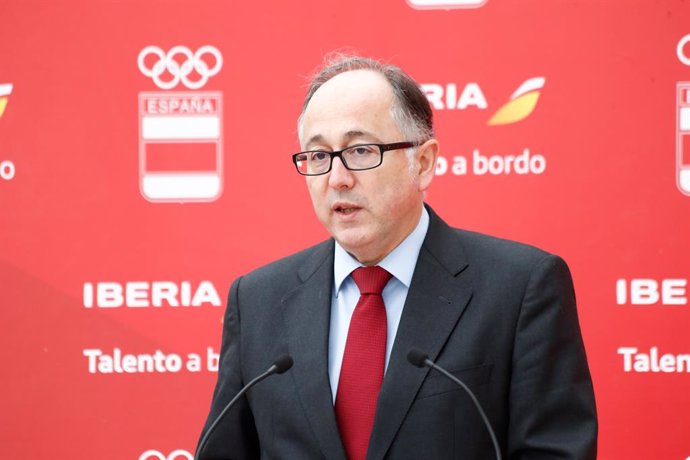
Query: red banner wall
[(145, 162)]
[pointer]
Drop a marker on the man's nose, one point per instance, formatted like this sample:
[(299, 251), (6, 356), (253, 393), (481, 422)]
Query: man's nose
[(340, 177)]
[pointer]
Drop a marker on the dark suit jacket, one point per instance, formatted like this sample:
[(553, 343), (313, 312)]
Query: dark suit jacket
[(500, 315)]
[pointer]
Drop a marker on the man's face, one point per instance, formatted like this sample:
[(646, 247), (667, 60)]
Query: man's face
[(368, 212)]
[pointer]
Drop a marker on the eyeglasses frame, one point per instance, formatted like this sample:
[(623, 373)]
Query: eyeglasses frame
[(339, 154)]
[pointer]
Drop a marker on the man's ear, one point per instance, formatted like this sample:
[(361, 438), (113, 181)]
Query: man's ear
[(425, 159)]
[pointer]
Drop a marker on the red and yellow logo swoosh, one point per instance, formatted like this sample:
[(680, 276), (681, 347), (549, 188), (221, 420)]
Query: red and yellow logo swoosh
[(5, 91), (521, 103)]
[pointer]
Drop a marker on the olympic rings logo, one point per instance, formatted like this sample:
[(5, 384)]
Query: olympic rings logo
[(178, 454), (180, 69)]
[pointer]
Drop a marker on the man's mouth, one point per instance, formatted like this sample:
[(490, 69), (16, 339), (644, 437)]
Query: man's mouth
[(345, 209)]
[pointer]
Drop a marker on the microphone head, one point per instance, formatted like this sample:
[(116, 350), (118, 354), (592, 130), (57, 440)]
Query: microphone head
[(417, 357), (283, 363)]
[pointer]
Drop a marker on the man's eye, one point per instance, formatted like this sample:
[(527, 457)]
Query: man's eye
[(363, 150), (319, 156)]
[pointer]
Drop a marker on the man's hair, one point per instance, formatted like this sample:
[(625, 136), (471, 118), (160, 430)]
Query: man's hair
[(410, 111)]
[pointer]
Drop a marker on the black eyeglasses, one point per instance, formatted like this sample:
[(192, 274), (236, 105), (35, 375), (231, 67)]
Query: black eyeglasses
[(355, 158)]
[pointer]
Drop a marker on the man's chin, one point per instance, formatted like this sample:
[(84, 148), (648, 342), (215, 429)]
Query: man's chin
[(359, 246)]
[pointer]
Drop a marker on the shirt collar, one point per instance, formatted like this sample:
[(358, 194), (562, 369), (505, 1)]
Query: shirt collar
[(400, 262)]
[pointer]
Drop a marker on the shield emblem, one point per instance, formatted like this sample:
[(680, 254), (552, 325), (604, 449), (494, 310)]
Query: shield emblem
[(180, 146)]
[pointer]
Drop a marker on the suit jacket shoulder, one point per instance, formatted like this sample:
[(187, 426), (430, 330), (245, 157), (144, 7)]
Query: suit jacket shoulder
[(486, 256), (293, 269)]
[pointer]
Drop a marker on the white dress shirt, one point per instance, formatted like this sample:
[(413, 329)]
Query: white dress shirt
[(400, 263)]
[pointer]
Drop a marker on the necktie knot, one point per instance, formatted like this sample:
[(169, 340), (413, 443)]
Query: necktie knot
[(371, 280)]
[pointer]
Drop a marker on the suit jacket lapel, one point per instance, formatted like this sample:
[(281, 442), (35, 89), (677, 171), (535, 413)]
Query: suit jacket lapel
[(307, 312), (435, 301)]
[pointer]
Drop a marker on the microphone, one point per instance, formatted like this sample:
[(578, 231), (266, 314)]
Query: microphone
[(279, 366), (420, 359)]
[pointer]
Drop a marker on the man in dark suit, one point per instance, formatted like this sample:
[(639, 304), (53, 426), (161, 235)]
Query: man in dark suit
[(499, 315)]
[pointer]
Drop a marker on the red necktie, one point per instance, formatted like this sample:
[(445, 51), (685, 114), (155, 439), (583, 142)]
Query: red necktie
[(364, 360)]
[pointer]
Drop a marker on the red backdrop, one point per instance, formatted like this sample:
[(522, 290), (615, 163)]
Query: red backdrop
[(128, 203)]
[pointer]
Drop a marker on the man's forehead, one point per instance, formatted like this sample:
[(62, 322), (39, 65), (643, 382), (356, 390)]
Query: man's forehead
[(347, 136), (352, 88), (352, 104)]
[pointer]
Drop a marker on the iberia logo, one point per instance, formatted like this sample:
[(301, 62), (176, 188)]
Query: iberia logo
[(521, 104), (5, 91)]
